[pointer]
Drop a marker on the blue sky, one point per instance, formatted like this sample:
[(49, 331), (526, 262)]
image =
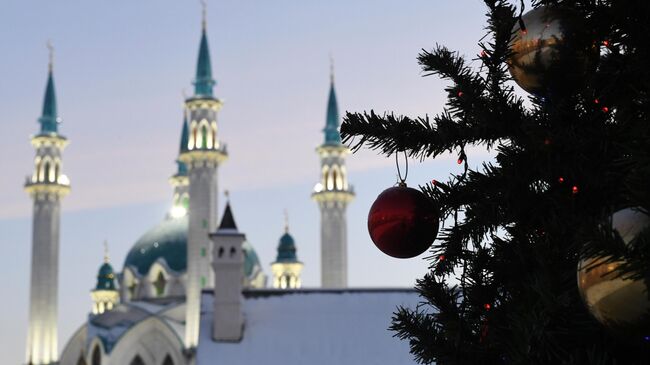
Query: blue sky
[(120, 70)]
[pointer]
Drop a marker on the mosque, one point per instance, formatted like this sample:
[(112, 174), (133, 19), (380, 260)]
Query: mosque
[(192, 289)]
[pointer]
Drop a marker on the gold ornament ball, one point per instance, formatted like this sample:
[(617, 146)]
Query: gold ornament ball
[(545, 56), (619, 304)]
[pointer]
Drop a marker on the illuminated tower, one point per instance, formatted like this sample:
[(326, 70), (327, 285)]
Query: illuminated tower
[(203, 156), (333, 194), (286, 268), (105, 295), (47, 186)]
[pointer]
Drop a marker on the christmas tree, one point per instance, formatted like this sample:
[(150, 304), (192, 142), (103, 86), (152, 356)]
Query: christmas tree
[(567, 192)]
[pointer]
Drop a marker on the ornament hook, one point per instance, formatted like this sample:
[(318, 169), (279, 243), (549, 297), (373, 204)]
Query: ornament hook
[(402, 180)]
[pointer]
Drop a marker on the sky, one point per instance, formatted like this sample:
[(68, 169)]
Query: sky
[(121, 68)]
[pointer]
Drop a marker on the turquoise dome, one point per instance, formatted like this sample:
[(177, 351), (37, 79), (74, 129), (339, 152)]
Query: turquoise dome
[(105, 278), (168, 240), (286, 249)]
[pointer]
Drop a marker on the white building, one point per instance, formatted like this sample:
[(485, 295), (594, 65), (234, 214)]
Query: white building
[(192, 291)]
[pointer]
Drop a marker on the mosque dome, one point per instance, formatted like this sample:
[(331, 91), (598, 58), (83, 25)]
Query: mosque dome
[(105, 277), (286, 249), (168, 240)]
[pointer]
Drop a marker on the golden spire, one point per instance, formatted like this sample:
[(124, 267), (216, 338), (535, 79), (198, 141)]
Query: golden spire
[(50, 49)]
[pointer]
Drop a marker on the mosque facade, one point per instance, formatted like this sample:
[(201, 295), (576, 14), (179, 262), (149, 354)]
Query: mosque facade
[(192, 289)]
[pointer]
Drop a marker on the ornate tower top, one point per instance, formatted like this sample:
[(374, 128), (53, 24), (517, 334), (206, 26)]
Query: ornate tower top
[(49, 144), (48, 119), (286, 268), (287, 245), (203, 83), (286, 249), (106, 274), (331, 130), (105, 295)]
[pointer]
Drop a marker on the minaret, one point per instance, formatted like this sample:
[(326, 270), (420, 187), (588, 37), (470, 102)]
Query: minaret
[(286, 268), (47, 186), (228, 263), (333, 193), (105, 295), (203, 156), (179, 181)]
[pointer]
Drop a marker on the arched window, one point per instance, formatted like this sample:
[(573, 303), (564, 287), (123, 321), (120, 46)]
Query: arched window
[(214, 134), (204, 136), (344, 177), (96, 358), (57, 167), (137, 360), (52, 172), (37, 171), (160, 284), (330, 180), (209, 134), (191, 144), (336, 177), (326, 171), (168, 361), (46, 171)]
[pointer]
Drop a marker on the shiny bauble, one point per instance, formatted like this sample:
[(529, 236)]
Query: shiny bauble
[(620, 304), (552, 52), (403, 222)]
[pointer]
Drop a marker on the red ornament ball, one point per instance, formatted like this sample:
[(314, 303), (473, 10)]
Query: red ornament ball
[(403, 222)]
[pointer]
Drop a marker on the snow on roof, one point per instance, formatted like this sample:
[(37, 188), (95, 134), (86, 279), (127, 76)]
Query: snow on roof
[(315, 327)]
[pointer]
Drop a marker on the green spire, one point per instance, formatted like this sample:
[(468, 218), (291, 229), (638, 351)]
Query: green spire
[(203, 82), (48, 119), (331, 129), (185, 135)]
